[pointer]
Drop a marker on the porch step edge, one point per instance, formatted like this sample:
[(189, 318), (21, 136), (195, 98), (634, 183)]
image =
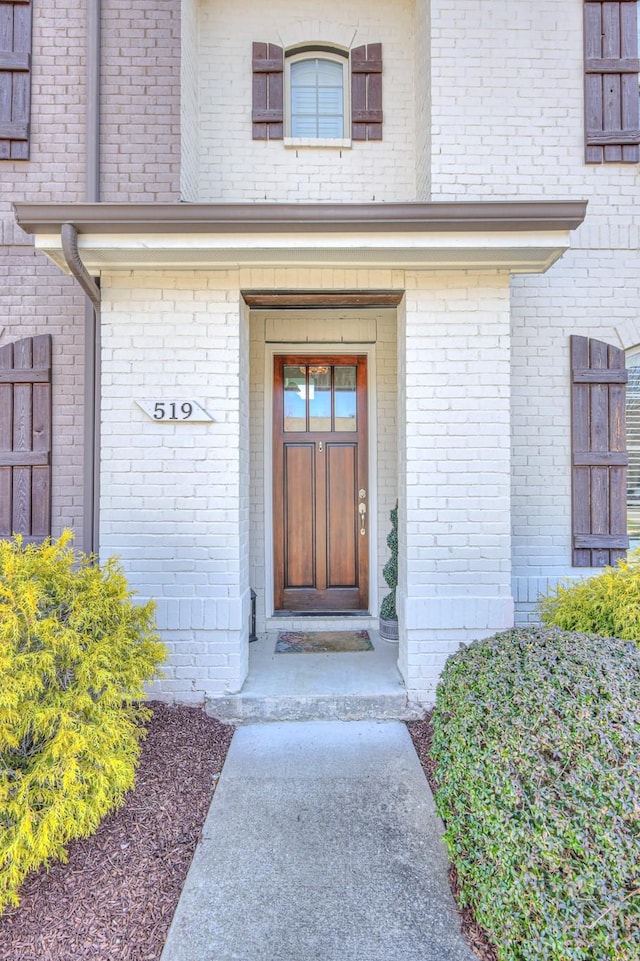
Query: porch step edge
[(251, 709), (274, 625)]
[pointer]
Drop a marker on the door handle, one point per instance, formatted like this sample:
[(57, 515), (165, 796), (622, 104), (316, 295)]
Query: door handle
[(362, 509)]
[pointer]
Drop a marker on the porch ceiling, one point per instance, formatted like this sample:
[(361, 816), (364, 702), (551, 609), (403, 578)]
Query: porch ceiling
[(520, 237)]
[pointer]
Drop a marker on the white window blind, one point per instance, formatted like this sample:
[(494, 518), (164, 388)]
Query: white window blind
[(317, 98)]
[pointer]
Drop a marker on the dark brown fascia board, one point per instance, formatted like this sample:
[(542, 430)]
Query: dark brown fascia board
[(106, 218)]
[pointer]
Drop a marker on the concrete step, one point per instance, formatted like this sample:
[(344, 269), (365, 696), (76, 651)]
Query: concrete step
[(254, 708)]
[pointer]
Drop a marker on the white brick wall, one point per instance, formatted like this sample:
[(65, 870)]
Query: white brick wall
[(507, 110), (423, 98), (174, 497), (235, 167), (184, 505), (506, 97), (496, 114), (189, 109), (593, 293), (455, 575)]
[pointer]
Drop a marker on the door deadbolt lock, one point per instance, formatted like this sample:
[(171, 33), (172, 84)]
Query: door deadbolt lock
[(362, 494)]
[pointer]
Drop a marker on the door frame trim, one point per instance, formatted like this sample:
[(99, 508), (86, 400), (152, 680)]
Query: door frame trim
[(272, 350)]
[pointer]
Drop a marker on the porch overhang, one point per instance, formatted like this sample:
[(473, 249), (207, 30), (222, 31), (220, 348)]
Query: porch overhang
[(521, 237)]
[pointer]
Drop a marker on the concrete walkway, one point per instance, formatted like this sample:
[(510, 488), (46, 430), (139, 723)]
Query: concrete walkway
[(322, 844)]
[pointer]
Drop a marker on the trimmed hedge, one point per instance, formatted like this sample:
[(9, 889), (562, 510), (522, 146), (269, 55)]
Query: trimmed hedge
[(74, 655), (537, 752), (607, 603)]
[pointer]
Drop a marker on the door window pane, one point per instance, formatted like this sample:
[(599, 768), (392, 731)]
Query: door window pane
[(345, 399), (320, 398), (295, 398)]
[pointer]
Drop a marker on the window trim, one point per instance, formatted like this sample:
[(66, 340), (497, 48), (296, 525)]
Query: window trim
[(318, 52)]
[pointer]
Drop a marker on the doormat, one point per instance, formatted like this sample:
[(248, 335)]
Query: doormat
[(322, 642)]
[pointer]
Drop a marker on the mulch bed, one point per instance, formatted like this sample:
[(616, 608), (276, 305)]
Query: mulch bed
[(421, 733), (115, 897)]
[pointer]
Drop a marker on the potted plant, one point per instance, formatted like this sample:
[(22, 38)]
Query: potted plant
[(388, 613)]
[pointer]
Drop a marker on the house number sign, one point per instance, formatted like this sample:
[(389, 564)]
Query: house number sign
[(175, 411)]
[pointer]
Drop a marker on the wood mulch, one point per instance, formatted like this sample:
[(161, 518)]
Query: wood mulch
[(421, 733), (115, 897)]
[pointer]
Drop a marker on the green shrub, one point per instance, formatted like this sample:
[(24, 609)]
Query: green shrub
[(74, 655), (537, 752), (606, 604)]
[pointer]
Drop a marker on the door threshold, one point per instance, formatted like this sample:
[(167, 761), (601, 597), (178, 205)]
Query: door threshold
[(321, 622), (321, 614)]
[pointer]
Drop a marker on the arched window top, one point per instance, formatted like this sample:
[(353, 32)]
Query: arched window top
[(317, 94)]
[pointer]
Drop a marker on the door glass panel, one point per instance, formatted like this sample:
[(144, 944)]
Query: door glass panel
[(345, 399), (295, 398), (320, 398)]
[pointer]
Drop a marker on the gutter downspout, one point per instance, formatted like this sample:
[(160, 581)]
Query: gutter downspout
[(69, 238), (91, 478)]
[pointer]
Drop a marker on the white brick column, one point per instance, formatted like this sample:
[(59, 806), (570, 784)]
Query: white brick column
[(174, 496), (454, 467)]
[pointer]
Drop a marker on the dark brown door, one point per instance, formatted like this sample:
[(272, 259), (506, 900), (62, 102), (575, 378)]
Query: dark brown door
[(321, 496)]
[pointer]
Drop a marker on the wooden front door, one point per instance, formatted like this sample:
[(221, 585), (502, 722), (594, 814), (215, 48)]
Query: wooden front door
[(321, 498)]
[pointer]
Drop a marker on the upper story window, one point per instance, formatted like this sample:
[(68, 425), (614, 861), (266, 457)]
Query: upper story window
[(317, 97), (318, 94)]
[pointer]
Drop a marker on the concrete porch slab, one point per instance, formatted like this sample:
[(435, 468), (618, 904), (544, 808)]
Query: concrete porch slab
[(364, 685)]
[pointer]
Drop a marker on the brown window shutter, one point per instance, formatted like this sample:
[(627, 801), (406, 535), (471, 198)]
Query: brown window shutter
[(15, 78), (268, 92), (611, 64), (25, 438), (366, 92), (599, 453)]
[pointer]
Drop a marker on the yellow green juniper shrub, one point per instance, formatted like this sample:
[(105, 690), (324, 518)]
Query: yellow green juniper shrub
[(607, 603), (75, 653), (537, 752)]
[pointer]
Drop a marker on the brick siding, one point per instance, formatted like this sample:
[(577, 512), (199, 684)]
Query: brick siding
[(483, 397), (232, 166)]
